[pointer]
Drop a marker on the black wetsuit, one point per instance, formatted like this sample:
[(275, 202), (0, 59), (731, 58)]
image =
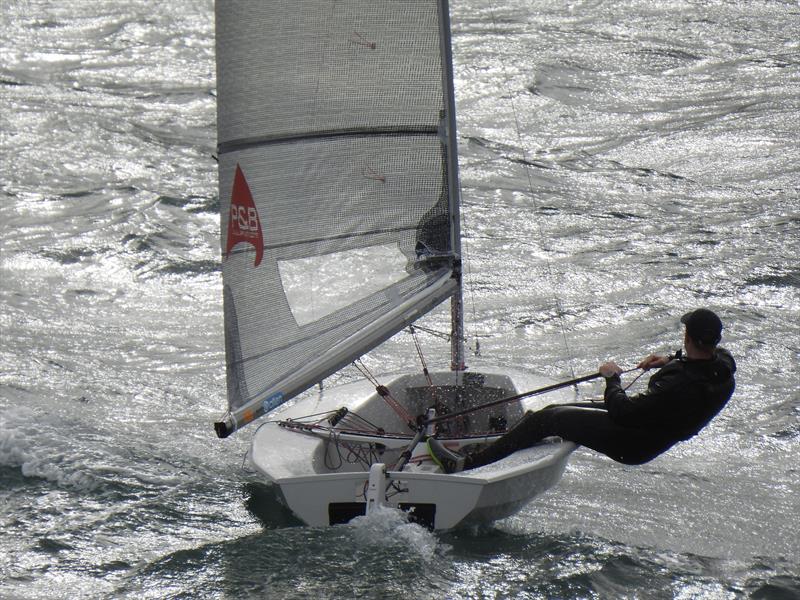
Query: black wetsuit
[(681, 398)]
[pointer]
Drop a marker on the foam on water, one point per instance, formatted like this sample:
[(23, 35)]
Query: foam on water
[(386, 527), (30, 442)]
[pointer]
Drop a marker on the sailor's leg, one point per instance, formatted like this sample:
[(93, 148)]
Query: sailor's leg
[(584, 424), (594, 429), (531, 429)]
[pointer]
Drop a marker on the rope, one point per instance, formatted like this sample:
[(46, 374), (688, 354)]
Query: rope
[(635, 379), (536, 392), (421, 356), (440, 334), (548, 263), (384, 393), (356, 454), (470, 288)]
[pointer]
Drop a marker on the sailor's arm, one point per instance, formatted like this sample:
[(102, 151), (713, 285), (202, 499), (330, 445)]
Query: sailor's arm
[(645, 409), (653, 361)]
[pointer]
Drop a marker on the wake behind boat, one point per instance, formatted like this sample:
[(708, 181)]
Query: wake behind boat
[(339, 199)]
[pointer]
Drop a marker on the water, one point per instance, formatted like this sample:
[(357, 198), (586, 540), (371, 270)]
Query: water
[(621, 163)]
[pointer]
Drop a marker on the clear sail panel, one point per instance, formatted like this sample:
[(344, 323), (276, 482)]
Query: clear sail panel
[(318, 286)]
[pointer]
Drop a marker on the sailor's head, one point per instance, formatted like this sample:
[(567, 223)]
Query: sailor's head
[(703, 327)]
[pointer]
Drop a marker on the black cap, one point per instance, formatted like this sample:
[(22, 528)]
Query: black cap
[(703, 326)]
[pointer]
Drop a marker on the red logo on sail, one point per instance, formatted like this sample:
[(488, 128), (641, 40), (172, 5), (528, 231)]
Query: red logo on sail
[(243, 222)]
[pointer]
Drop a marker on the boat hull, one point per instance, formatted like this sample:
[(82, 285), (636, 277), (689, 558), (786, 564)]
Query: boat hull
[(317, 483), (436, 500)]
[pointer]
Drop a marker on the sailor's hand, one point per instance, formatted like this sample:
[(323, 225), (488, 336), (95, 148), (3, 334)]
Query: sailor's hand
[(609, 369), (654, 360)]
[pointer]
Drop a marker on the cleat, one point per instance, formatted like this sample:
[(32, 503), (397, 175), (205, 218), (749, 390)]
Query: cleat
[(448, 461)]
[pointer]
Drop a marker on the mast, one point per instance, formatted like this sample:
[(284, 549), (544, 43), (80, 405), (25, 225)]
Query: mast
[(451, 145)]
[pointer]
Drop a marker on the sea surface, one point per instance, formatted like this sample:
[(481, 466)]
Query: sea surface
[(621, 163)]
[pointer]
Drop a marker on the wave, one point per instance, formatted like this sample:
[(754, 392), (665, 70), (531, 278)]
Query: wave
[(789, 279), (34, 451)]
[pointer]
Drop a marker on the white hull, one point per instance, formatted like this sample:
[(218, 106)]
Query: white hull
[(318, 482)]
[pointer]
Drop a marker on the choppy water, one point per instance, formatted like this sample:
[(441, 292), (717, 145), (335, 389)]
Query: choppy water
[(621, 162)]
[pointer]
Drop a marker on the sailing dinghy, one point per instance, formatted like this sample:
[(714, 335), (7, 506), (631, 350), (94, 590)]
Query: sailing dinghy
[(339, 204)]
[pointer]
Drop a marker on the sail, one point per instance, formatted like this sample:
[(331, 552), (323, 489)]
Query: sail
[(335, 177)]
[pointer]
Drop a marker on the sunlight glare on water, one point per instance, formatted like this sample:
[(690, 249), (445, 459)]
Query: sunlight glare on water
[(620, 163)]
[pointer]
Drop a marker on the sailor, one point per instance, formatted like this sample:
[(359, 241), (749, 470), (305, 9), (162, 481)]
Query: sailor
[(682, 397)]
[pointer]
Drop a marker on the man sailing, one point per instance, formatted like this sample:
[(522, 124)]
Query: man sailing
[(682, 397)]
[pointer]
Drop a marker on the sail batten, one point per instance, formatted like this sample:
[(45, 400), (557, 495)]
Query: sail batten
[(331, 238), (241, 144), (336, 159)]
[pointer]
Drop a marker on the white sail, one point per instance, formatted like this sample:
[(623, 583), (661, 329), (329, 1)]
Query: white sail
[(337, 185)]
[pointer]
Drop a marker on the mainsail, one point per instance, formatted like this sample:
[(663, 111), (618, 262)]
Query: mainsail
[(337, 185)]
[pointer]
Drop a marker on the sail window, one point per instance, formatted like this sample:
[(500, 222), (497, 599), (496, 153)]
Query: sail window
[(318, 286)]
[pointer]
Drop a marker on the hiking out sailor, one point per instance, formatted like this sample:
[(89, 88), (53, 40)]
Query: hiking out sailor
[(682, 397)]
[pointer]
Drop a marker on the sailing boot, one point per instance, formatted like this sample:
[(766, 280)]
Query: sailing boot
[(448, 461)]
